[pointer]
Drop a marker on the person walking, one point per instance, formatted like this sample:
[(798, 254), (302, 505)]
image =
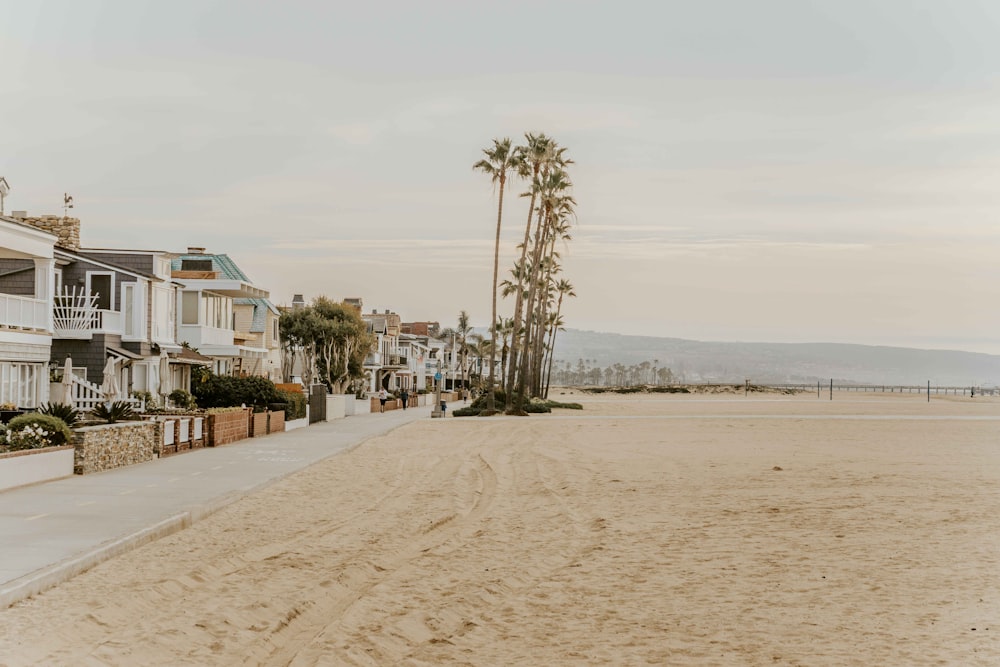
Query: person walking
[(404, 396), (383, 395)]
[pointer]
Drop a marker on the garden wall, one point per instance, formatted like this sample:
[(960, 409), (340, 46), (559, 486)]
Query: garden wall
[(31, 466), (277, 422), (226, 427), (108, 446)]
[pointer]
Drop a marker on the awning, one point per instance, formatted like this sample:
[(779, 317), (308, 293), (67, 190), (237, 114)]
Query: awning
[(124, 354)]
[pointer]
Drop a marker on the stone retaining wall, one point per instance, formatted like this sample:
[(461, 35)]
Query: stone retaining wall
[(108, 446)]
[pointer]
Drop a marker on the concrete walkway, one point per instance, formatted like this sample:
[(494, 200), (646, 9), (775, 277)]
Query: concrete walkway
[(52, 531)]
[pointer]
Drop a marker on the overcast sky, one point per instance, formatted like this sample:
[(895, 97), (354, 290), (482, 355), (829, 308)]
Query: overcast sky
[(787, 171)]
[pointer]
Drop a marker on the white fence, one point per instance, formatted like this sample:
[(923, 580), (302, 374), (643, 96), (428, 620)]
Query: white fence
[(87, 396)]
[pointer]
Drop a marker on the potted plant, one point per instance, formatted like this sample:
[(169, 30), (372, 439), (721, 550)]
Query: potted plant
[(8, 411)]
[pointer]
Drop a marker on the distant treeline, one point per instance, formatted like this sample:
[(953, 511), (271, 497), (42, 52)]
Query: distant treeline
[(585, 373)]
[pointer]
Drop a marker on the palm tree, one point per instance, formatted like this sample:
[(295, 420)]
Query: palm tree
[(555, 207), (462, 332), (540, 156), (500, 160)]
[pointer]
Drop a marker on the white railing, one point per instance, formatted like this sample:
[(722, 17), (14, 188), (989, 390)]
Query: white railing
[(198, 335), (21, 312), (76, 315)]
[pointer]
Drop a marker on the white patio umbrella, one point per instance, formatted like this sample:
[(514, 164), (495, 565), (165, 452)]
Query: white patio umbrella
[(165, 387), (110, 385), (67, 382)]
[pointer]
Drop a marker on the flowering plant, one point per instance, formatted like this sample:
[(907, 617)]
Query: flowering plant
[(32, 436), (35, 430)]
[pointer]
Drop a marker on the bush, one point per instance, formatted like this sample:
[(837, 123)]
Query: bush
[(295, 404), (565, 406), (224, 391), (466, 412), (35, 430), (182, 399), (116, 412), (65, 412), (536, 406)]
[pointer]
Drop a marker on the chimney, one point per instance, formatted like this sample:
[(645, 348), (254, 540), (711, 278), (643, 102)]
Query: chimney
[(195, 251), (66, 230), (298, 302)]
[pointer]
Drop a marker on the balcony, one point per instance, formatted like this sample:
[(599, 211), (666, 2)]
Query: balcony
[(198, 336), (72, 320), (21, 312)]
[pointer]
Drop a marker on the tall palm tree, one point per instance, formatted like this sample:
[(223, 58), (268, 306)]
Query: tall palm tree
[(555, 207), (541, 155), (499, 162)]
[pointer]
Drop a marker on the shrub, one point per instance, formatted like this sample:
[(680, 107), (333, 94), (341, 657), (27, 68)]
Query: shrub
[(65, 412), (222, 411), (466, 412), (223, 391), (117, 411), (536, 406), (182, 399), (295, 404), (35, 430), (565, 406)]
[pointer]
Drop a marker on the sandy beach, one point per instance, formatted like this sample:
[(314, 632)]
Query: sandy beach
[(645, 529)]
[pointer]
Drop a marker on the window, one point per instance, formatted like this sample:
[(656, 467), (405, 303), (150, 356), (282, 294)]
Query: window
[(189, 307), (128, 308), (19, 383), (101, 285)]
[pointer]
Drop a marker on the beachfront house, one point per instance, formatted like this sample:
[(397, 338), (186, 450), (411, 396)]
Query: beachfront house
[(222, 315), (110, 303), (386, 364), (27, 275)]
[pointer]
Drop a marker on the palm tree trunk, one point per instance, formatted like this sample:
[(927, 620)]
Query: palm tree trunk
[(490, 403), (532, 277), (519, 302)]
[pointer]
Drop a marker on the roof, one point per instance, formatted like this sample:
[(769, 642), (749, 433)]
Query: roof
[(189, 356)]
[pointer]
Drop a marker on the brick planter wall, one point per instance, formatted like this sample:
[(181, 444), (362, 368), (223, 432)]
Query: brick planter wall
[(257, 424), (109, 446), (277, 422), (390, 404), (227, 427)]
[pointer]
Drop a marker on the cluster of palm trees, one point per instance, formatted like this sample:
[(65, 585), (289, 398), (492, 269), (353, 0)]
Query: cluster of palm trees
[(587, 372), (535, 283)]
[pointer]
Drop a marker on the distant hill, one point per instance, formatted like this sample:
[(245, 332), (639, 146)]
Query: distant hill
[(698, 361)]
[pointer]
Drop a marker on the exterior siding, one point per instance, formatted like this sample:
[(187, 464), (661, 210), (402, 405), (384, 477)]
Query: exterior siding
[(17, 276), (138, 262), (90, 353)]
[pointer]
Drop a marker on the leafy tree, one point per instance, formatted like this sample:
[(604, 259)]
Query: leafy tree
[(342, 342)]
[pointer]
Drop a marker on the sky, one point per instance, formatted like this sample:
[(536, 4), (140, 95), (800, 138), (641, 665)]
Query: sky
[(777, 170)]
